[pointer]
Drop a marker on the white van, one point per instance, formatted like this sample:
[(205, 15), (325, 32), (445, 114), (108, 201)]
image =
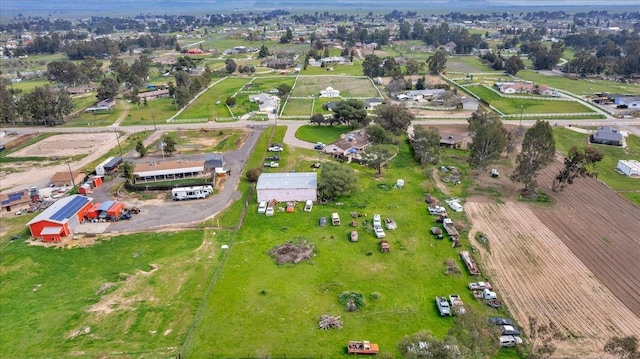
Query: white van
[(308, 206), (377, 222), (455, 206), (509, 340), (262, 207)]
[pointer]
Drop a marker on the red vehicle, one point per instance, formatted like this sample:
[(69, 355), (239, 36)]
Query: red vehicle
[(363, 347)]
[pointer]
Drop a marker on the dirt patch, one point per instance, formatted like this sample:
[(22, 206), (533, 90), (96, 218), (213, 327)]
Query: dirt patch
[(538, 275), (66, 145)]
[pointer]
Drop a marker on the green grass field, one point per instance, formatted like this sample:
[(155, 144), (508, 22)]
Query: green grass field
[(348, 86), (626, 186), (511, 106), (276, 307), (206, 105), (298, 107), (580, 86), (355, 69), (196, 141), (157, 111), (324, 134), (52, 292)]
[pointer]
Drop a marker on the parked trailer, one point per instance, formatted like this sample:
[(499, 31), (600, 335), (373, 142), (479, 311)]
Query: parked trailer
[(468, 261), (450, 228), (194, 192)]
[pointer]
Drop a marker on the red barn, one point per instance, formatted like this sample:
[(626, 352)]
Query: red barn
[(60, 219), (116, 209)]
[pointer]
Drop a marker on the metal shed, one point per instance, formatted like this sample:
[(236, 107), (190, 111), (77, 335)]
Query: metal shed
[(283, 187)]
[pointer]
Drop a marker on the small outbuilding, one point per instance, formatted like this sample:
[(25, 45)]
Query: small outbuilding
[(60, 218), (15, 199), (284, 187), (330, 92), (66, 178), (607, 135), (629, 167), (108, 166)]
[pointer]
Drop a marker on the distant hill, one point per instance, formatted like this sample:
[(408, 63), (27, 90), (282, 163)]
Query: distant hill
[(77, 8)]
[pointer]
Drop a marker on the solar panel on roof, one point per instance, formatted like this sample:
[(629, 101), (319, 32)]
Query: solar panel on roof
[(70, 209), (15, 196), (6, 201)]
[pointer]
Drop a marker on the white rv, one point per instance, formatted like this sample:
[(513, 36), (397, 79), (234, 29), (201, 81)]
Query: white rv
[(194, 192)]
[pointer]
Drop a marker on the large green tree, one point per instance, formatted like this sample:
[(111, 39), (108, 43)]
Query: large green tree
[(426, 145), (394, 118), (378, 135), (475, 334), (377, 156), (264, 52), (351, 112), (538, 150), (372, 66), (45, 106), (109, 88), (336, 180), (513, 65), (576, 165), (169, 144), (489, 138), (8, 107), (437, 62), (141, 148)]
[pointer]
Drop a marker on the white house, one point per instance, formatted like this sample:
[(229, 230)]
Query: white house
[(330, 92), (267, 103), (290, 186), (629, 167)]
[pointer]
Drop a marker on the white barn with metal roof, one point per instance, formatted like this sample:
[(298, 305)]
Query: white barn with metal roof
[(283, 187)]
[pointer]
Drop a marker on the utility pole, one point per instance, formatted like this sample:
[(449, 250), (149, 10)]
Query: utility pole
[(521, 109), (73, 182), (118, 138), (153, 118)]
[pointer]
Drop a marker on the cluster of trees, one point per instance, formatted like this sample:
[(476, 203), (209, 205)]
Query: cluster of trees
[(511, 66), (541, 56), (99, 48), (43, 106), (67, 72), (438, 35), (375, 66), (134, 74), (188, 86), (608, 59), (362, 34)]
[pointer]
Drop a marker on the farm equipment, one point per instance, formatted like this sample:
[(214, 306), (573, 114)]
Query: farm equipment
[(134, 210), (362, 347), (443, 306), (204, 129)]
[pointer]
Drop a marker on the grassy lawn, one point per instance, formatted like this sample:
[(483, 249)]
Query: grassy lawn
[(324, 134), (87, 119), (47, 290), (157, 110), (196, 141), (348, 86), (298, 107), (207, 106), (580, 86), (355, 69), (511, 106), (469, 64), (276, 307), (626, 186), (29, 86), (264, 84)]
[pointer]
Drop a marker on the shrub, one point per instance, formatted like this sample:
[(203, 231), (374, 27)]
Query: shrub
[(253, 174), (352, 300)]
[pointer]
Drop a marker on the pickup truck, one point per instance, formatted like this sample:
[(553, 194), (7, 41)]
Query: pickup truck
[(456, 304), (443, 306), (389, 223), (480, 286), (362, 347)]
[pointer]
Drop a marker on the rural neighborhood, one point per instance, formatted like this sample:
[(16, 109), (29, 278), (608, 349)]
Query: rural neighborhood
[(275, 183)]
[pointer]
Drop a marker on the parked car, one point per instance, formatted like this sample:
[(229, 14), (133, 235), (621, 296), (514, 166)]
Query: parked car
[(509, 330), (322, 222), (262, 207), (377, 222), (319, 146), (509, 340), (308, 206), (379, 232), (269, 212), (125, 216), (275, 149), (480, 286), (19, 212), (500, 321), (273, 158), (272, 164)]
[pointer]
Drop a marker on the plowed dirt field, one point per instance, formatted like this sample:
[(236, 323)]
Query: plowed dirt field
[(538, 275)]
